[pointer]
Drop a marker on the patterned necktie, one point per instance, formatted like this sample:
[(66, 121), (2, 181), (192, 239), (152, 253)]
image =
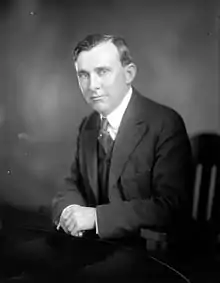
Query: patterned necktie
[(104, 136)]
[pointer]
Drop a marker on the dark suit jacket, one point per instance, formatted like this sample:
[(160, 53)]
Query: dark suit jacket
[(149, 172)]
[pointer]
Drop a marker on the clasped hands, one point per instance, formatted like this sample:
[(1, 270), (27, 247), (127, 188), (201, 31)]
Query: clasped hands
[(76, 219)]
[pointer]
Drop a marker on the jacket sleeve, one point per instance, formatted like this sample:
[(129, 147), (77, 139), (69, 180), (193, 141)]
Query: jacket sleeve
[(171, 178), (72, 191)]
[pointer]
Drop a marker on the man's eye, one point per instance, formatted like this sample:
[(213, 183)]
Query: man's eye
[(102, 72), (83, 75)]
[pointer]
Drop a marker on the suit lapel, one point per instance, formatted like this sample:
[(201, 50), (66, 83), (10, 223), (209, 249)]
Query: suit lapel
[(131, 132)]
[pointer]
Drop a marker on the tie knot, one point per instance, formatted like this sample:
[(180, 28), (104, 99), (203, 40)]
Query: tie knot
[(104, 124)]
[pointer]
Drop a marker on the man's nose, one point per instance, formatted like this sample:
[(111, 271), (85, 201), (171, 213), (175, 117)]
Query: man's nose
[(94, 82)]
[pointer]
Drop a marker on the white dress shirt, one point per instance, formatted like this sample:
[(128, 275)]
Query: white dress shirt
[(115, 117)]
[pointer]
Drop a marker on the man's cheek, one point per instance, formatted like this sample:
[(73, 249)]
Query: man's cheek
[(86, 95)]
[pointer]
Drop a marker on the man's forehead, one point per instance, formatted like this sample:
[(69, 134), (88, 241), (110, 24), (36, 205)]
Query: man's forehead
[(104, 53)]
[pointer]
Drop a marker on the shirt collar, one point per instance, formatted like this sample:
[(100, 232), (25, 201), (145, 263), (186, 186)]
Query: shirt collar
[(115, 117)]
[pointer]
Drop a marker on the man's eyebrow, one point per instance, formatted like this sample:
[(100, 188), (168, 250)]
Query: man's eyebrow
[(82, 72), (102, 68)]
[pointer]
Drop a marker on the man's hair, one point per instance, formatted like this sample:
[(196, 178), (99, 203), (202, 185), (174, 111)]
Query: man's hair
[(93, 40)]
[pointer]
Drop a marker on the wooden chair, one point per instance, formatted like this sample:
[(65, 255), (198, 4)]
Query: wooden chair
[(206, 195)]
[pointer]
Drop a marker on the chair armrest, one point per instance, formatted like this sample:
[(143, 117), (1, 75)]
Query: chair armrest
[(155, 240)]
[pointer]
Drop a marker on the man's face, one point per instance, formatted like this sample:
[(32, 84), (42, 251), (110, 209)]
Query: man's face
[(102, 78)]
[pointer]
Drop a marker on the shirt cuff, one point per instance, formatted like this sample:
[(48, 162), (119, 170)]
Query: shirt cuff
[(96, 223)]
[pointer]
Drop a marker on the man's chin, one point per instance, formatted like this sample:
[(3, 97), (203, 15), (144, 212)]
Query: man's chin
[(100, 107)]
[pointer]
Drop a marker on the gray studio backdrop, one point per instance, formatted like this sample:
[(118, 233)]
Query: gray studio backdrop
[(175, 45)]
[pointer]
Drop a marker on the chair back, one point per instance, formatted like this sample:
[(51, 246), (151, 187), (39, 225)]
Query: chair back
[(206, 157)]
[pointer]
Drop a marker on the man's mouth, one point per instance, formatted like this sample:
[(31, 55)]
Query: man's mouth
[(97, 97)]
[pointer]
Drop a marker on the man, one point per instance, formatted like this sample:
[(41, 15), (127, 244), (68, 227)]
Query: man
[(147, 178), (132, 173)]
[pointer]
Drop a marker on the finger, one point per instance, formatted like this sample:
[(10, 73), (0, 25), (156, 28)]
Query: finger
[(75, 230), (69, 220), (62, 220), (63, 226), (80, 233), (58, 226), (70, 226), (66, 214)]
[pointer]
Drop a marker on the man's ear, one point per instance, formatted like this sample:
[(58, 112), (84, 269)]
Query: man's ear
[(130, 72)]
